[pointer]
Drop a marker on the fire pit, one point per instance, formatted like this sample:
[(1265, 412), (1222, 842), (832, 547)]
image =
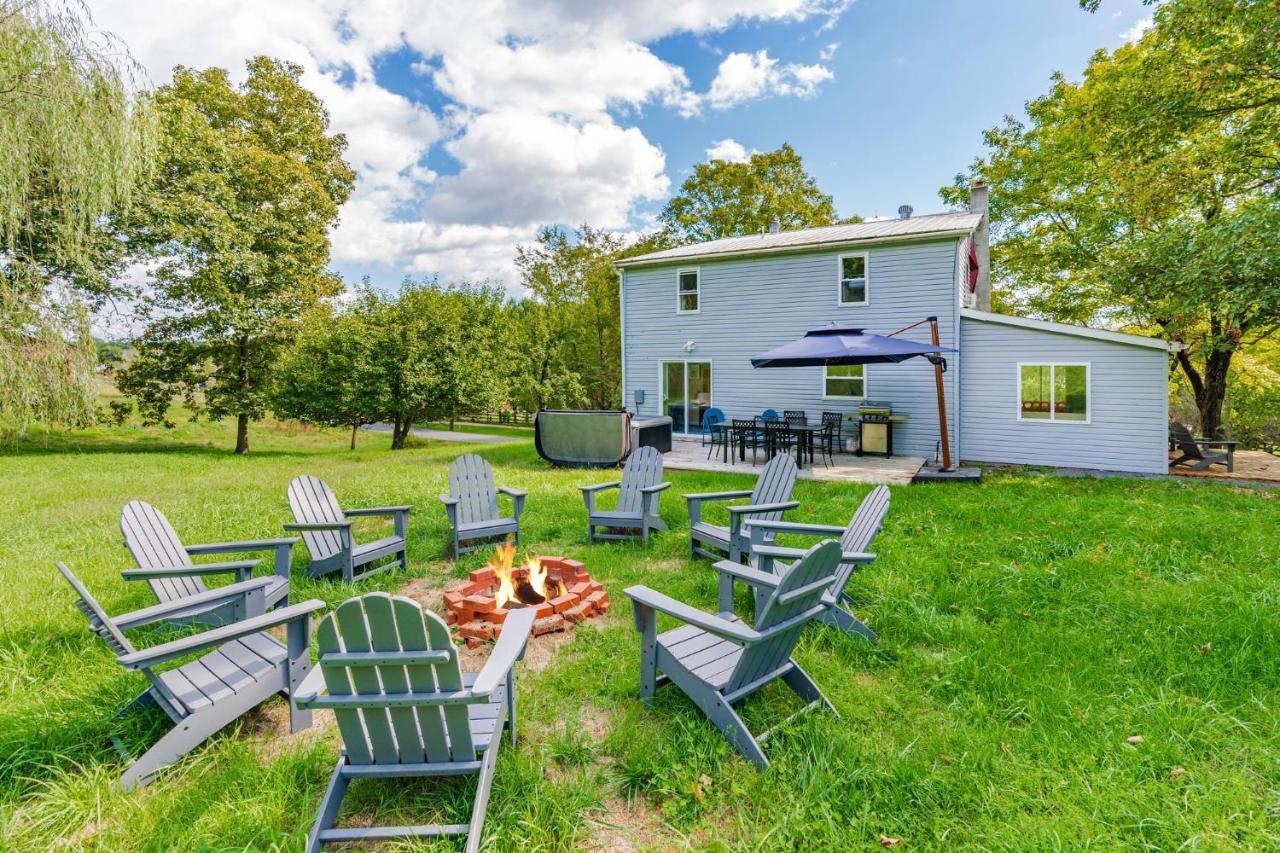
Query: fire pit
[(560, 589)]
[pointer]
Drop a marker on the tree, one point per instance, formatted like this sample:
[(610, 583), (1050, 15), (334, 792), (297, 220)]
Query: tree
[(1147, 193), (327, 376), (570, 352), (239, 218), (73, 143), (724, 199)]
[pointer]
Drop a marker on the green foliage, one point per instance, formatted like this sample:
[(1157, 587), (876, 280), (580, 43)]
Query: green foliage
[(1149, 193), (723, 199), (567, 335), (238, 219), (73, 142)]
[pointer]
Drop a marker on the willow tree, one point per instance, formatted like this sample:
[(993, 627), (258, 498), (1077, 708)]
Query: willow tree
[(237, 222), (74, 140)]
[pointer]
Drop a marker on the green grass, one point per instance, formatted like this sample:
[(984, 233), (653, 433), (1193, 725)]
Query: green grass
[(486, 429), (1031, 626)]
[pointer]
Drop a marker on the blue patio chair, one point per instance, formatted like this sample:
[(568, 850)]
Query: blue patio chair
[(770, 415), (712, 426)]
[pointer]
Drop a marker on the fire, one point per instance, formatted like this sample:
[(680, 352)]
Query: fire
[(520, 585)]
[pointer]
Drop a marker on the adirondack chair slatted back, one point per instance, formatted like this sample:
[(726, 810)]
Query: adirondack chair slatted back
[(154, 545), (471, 482), (312, 502), (380, 623), (800, 589), (774, 485), (866, 522), (1186, 441), (99, 621), (643, 469)]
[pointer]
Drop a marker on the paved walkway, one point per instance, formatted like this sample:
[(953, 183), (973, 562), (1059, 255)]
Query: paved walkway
[(445, 435), (1252, 465), (688, 455)]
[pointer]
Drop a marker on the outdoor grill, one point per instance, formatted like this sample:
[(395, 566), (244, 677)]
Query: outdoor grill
[(875, 427)]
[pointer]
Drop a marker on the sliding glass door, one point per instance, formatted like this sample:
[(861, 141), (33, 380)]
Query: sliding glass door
[(686, 393)]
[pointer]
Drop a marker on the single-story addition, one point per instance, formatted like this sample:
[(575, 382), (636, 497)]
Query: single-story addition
[(1017, 390)]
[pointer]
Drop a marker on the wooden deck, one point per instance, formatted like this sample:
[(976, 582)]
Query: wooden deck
[(1255, 465), (689, 455)]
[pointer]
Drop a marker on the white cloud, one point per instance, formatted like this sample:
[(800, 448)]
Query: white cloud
[(540, 94), (1139, 27), (749, 76), (829, 51), (729, 150)]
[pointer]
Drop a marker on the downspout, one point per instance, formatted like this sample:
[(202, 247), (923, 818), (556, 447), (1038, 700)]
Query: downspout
[(957, 377), (622, 334)]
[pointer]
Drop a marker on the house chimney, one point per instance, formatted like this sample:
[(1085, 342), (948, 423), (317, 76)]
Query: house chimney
[(904, 212), (978, 194), (775, 225)]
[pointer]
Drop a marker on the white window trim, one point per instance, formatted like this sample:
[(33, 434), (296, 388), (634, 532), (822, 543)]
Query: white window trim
[(866, 276), (1088, 392), (662, 378), (827, 396), (680, 272)]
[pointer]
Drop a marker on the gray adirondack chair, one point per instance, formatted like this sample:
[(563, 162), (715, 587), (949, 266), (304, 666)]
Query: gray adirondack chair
[(242, 666), (472, 504), (326, 529), (1200, 452), (855, 539), (717, 660), (389, 671), (165, 564), (768, 500), (638, 492)]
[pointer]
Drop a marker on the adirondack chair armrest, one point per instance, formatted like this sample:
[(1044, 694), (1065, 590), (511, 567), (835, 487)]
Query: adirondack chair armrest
[(747, 574), (752, 509), (448, 500), (200, 569), (157, 612), (701, 497), (509, 649), (165, 652), (644, 598), (517, 496), (247, 547), (377, 510), (599, 487), (653, 490), (1215, 442), (310, 688), (778, 552), (318, 525), (762, 527)]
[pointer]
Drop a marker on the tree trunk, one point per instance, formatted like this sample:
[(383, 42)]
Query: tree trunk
[(399, 432), (354, 427), (451, 419), (242, 435), (1209, 388)]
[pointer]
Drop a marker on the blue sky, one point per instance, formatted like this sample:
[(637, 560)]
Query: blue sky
[(472, 124)]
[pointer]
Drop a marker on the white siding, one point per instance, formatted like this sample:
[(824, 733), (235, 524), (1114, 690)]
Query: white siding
[(750, 305), (1129, 403)]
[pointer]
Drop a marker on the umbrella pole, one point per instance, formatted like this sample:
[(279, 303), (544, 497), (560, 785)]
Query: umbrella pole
[(942, 400)]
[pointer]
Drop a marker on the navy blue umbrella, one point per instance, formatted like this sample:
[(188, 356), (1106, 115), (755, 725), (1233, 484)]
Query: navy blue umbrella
[(835, 344), (843, 345)]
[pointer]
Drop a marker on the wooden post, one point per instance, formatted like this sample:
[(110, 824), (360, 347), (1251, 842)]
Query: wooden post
[(942, 398)]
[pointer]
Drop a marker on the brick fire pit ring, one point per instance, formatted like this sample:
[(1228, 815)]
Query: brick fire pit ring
[(472, 608)]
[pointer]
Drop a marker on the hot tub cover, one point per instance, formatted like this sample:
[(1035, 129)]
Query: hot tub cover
[(583, 437)]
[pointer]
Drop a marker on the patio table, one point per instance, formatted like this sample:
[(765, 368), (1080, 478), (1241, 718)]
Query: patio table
[(804, 433)]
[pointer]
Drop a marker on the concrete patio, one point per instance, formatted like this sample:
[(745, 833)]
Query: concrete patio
[(690, 455)]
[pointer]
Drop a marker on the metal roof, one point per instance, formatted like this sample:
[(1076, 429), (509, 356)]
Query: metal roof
[(957, 223), (1068, 329)]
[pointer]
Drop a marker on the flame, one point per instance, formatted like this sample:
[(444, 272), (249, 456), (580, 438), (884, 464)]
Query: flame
[(510, 576)]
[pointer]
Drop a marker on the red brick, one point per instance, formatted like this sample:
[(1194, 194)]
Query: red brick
[(485, 575), (453, 599), (551, 561), (595, 586), (581, 577), (575, 565), (450, 618), (579, 589), (481, 603), (476, 630), (577, 613), (498, 615), (548, 624), (544, 610), (473, 643), (595, 598), (563, 603)]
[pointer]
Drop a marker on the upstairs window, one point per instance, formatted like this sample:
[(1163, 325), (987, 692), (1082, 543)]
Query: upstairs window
[(853, 279), (688, 292), (844, 381), (1053, 392)]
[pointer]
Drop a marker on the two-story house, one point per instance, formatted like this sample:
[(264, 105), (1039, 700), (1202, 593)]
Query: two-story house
[(1017, 390)]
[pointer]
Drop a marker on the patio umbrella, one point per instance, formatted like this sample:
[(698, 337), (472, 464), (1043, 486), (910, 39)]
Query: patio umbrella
[(836, 344)]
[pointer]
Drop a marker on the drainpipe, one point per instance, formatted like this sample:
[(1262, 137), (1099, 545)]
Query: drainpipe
[(978, 198)]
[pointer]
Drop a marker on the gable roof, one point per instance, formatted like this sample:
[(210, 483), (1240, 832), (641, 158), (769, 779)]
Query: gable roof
[(831, 236), (1068, 329)]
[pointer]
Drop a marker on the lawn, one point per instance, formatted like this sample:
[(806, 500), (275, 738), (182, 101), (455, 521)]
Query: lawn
[(1064, 663)]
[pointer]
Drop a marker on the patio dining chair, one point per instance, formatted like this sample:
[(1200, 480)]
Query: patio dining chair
[(794, 416), (712, 426), (770, 415), (746, 434), (836, 421), (778, 438)]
